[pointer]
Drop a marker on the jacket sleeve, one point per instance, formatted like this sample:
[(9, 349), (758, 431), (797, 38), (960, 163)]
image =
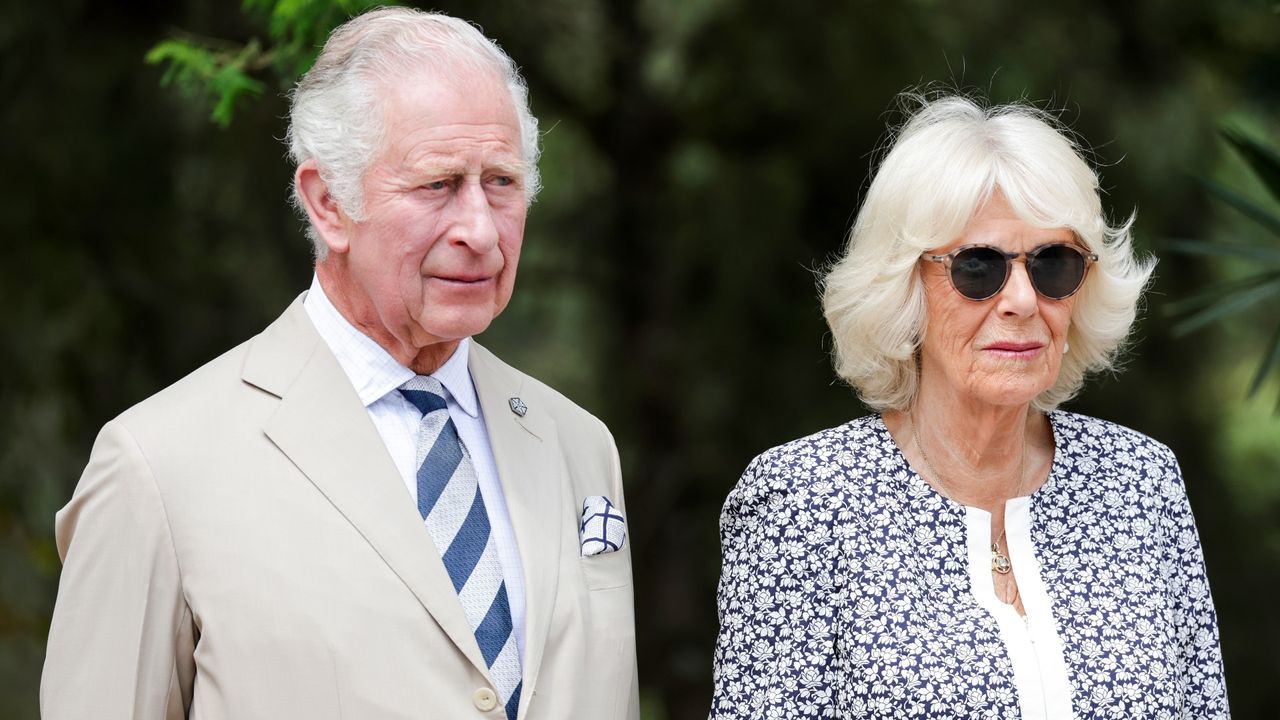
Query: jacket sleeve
[(1201, 682), (121, 640), (778, 601)]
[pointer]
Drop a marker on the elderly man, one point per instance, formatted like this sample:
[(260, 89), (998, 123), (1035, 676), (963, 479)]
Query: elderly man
[(361, 512)]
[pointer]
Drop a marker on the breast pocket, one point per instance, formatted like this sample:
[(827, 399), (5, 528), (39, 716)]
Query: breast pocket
[(606, 570)]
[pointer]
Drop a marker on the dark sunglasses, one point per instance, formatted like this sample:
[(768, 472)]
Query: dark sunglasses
[(978, 272)]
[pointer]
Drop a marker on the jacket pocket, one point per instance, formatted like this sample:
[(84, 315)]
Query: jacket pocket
[(606, 570)]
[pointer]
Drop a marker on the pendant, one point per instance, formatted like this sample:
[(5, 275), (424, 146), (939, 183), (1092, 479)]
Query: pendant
[(999, 561)]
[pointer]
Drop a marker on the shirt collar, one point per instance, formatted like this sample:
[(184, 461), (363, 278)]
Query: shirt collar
[(371, 369), (455, 375)]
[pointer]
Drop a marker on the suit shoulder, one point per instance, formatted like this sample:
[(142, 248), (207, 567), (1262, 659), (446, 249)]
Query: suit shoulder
[(214, 384), (225, 388)]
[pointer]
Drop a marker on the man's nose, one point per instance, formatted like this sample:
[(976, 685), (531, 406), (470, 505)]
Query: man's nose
[(1018, 296), (473, 222)]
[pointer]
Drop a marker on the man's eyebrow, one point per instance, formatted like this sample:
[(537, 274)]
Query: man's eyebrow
[(446, 169), (507, 168), (435, 168)]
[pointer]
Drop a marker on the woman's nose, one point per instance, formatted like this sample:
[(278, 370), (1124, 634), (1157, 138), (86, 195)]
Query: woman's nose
[(1018, 296)]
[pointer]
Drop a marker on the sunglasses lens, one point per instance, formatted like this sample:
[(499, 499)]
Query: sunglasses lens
[(1057, 271), (978, 273)]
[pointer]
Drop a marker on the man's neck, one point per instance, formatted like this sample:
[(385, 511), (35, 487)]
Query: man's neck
[(355, 307)]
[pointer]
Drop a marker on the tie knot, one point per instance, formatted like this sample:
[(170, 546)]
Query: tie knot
[(426, 393)]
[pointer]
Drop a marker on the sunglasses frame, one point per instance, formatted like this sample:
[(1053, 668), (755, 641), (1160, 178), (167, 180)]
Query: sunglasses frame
[(1009, 257)]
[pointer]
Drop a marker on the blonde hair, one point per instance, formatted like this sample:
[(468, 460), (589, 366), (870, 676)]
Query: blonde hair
[(949, 157)]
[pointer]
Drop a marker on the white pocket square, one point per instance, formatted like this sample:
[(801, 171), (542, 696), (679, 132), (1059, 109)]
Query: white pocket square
[(602, 529)]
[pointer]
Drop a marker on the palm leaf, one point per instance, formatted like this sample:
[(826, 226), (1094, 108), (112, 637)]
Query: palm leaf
[(1240, 250), (1216, 292), (1271, 362), (1263, 159), (1249, 208), (1229, 305)]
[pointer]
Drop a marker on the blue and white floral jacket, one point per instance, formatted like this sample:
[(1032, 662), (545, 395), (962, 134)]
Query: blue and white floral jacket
[(851, 589)]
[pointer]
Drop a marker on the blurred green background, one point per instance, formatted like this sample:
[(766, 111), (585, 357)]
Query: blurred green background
[(703, 159)]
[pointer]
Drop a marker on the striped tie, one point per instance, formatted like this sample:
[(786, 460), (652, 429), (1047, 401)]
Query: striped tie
[(450, 502)]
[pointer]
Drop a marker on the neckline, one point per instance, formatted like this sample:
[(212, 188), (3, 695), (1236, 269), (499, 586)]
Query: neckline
[(915, 479)]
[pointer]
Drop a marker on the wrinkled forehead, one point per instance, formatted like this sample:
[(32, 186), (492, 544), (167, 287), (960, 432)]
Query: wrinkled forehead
[(469, 100), (448, 77)]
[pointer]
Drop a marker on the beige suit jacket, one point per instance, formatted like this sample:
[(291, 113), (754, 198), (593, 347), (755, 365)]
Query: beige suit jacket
[(241, 546)]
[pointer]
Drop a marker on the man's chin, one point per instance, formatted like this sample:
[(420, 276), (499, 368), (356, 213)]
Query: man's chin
[(434, 330)]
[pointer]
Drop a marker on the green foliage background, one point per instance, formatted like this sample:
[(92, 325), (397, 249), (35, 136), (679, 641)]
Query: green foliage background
[(703, 158)]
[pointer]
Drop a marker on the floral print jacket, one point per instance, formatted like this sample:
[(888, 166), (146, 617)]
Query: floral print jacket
[(848, 591)]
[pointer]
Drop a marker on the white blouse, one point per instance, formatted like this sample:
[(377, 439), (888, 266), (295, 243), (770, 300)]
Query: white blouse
[(1035, 651)]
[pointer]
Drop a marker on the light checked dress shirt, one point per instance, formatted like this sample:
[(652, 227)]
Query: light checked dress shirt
[(376, 377)]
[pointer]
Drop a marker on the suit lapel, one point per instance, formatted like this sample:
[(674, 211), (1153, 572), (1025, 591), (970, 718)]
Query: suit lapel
[(527, 452), (325, 430)]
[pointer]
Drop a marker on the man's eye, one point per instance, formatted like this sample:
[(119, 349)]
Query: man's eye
[(437, 185), (503, 180)]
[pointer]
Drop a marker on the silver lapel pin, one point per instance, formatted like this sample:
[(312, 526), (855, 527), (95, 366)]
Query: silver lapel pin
[(518, 407)]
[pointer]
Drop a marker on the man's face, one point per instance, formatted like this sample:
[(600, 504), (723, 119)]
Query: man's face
[(435, 259)]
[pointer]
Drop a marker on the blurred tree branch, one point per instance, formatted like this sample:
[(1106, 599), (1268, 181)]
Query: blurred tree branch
[(222, 72)]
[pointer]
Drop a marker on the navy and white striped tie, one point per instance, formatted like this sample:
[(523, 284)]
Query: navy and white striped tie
[(450, 503)]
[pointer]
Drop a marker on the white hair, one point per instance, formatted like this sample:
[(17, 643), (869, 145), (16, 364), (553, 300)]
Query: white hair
[(948, 159), (336, 116)]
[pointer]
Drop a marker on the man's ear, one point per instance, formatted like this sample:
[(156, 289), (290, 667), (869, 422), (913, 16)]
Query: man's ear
[(328, 219)]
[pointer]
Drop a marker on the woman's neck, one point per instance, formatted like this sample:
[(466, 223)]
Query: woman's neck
[(976, 454)]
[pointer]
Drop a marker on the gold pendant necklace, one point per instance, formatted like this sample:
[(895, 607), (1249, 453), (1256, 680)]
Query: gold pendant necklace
[(999, 561)]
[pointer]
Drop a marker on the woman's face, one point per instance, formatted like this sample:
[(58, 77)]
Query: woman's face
[(1004, 350)]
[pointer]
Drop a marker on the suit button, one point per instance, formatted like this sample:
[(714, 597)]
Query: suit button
[(485, 699)]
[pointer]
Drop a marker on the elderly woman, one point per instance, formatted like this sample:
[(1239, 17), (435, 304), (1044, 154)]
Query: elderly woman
[(970, 550)]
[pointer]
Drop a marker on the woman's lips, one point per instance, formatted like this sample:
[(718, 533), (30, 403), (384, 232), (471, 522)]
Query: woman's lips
[(1015, 350)]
